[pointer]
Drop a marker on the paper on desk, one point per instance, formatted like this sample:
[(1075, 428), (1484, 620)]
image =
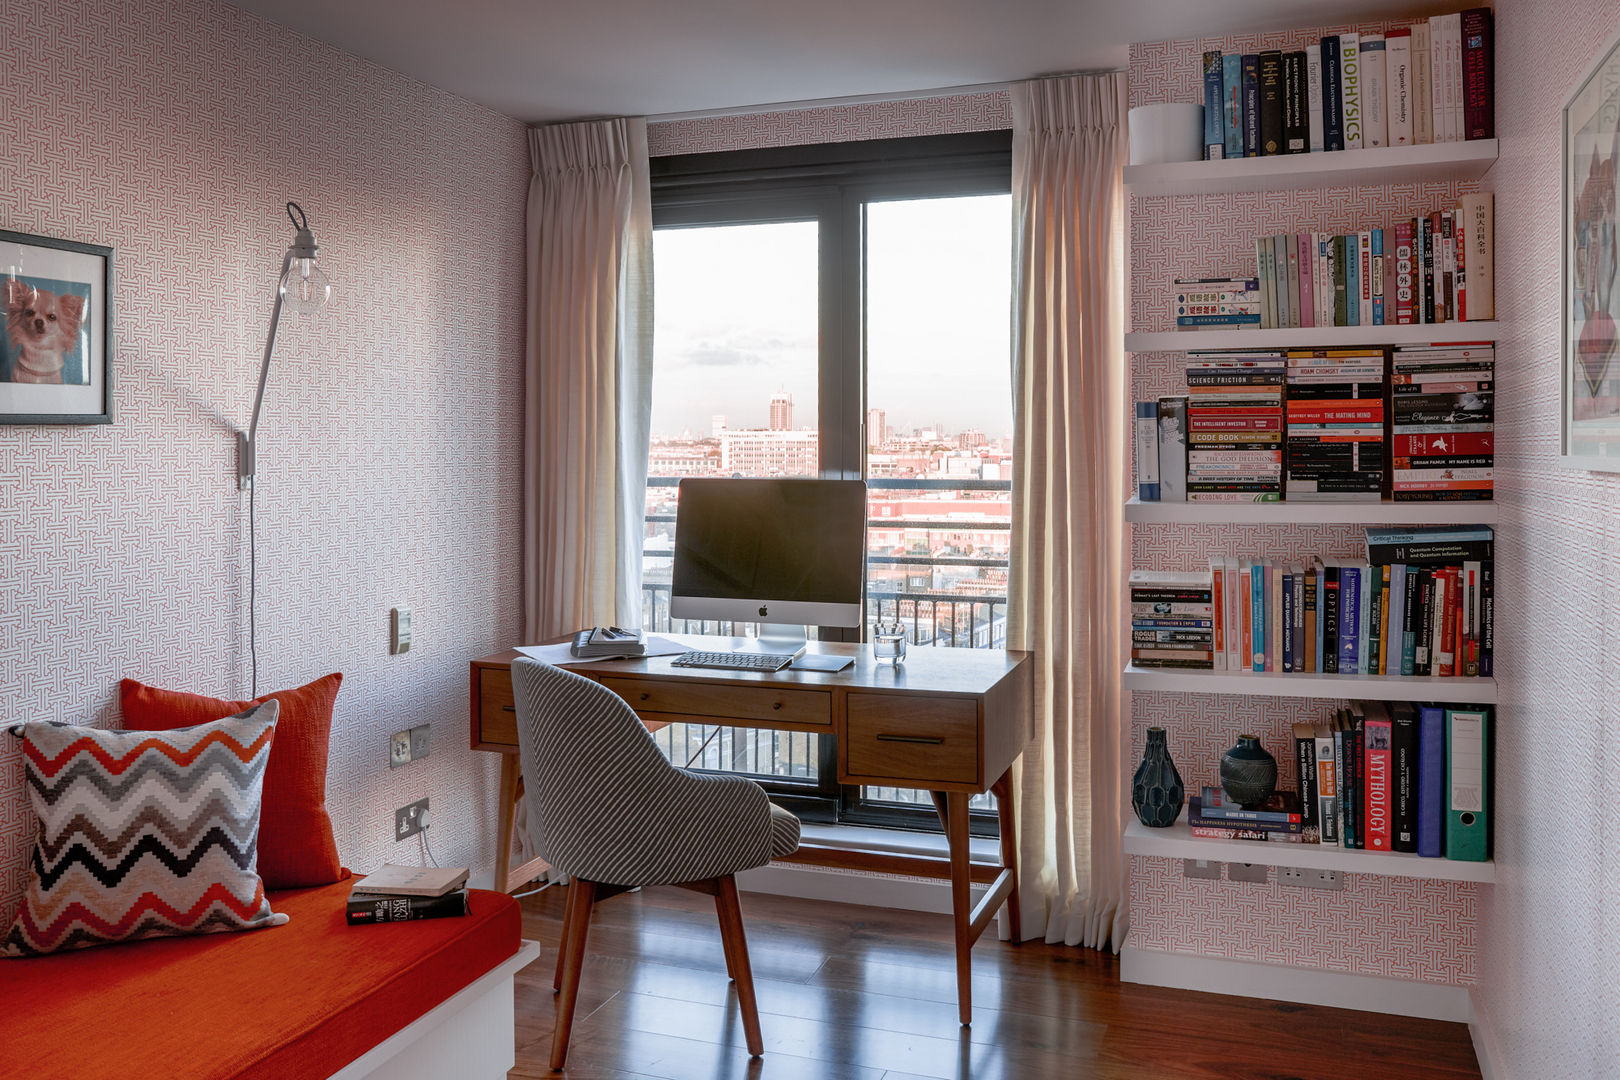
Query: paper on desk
[(562, 654)]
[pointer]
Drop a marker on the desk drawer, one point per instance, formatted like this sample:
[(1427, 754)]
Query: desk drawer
[(924, 739), (766, 703), (497, 719)]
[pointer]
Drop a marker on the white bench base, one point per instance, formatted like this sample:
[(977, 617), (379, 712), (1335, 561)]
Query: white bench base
[(470, 1036)]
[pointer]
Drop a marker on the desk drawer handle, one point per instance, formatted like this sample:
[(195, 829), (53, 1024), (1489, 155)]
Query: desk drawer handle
[(644, 697), (776, 704), (932, 740), (508, 708)]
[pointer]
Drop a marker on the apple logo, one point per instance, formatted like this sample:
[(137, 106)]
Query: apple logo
[(762, 610)]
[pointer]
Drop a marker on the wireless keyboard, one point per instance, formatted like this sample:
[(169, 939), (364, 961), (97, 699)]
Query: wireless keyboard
[(734, 661)]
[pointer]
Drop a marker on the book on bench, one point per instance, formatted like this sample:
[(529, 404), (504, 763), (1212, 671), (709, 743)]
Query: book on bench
[(395, 880), (364, 908)]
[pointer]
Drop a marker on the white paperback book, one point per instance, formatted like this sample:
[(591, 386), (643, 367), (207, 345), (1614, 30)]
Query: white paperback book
[(1398, 85), (1313, 97), (1422, 86), (1374, 109), (1350, 89)]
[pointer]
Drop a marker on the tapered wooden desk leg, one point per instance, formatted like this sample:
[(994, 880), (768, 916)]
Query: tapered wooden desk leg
[(953, 813), (511, 773), (1002, 790), (574, 935)]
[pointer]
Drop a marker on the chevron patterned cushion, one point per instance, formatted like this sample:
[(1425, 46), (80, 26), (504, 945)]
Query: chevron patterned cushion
[(143, 834)]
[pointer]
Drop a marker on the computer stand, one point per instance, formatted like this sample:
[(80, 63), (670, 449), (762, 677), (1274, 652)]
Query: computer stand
[(786, 638)]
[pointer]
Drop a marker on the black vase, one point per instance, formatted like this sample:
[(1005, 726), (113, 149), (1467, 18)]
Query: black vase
[(1156, 790), (1248, 773)]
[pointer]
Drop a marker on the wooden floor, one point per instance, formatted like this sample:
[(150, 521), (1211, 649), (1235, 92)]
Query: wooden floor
[(855, 993)]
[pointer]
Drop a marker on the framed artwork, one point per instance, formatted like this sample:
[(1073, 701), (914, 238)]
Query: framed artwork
[(56, 343)]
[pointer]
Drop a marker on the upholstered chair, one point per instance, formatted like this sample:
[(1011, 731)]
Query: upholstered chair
[(606, 809)]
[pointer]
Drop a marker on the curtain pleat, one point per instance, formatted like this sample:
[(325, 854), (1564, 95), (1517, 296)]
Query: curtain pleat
[(588, 376), (1067, 558)]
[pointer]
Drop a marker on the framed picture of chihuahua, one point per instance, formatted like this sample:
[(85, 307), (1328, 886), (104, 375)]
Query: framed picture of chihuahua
[(56, 347)]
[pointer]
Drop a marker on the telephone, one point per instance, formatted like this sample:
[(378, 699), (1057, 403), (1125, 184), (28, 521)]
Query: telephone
[(605, 641)]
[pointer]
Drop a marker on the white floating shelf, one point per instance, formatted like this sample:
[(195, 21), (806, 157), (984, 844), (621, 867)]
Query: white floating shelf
[(1340, 168), (1312, 513), (1178, 842), (1311, 337), (1480, 691)]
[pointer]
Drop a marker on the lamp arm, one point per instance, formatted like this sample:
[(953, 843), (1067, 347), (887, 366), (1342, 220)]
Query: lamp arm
[(246, 464)]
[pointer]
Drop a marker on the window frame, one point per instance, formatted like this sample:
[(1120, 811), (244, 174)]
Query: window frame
[(831, 184)]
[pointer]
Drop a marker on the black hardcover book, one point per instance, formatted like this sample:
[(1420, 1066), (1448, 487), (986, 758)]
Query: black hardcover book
[(1358, 787), (1341, 268), (1344, 391), (1427, 228), (1487, 619), (1296, 121), (1404, 724), (1375, 637), (1251, 105), (1409, 615), (1330, 621), (1271, 103), (1425, 627), (366, 908), (1305, 760), (1441, 551)]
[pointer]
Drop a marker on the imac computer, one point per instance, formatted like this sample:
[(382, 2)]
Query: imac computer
[(781, 552)]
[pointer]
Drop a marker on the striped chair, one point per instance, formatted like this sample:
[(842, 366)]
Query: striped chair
[(606, 809)]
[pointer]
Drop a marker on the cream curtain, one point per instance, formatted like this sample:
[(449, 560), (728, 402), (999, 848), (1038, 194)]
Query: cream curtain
[(1067, 568), (588, 376)]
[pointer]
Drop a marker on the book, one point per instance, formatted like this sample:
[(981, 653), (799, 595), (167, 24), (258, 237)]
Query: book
[(607, 642), (1146, 442), (1332, 96), (1478, 71), (1296, 127), (1306, 286), (1219, 832), (1316, 130), (1232, 104), (1251, 105), (1431, 780), (1374, 117), (396, 880), (1380, 795), (366, 907), (1271, 102), (1327, 814), (1429, 544), (1214, 137), (1172, 449), (1218, 590), (1422, 96), (1350, 89), (1280, 808), (1305, 774), (1477, 252), (1398, 84), (1467, 784), (1404, 776)]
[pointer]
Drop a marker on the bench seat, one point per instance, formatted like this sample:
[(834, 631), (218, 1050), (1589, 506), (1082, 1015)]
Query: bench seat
[(294, 1002)]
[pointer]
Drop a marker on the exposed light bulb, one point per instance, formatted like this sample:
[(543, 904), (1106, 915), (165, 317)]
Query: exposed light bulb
[(305, 287)]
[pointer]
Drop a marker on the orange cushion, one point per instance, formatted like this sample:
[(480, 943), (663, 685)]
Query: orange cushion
[(297, 1002), (296, 848)]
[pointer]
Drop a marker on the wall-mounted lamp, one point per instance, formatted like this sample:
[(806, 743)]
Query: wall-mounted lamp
[(303, 288)]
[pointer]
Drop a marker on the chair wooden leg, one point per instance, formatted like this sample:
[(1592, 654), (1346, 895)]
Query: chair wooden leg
[(574, 934), (562, 938), (736, 946), (1003, 792)]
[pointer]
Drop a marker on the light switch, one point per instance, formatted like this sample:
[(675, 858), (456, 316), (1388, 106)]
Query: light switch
[(399, 623)]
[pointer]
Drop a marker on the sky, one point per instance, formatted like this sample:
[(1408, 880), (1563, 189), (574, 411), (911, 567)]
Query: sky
[(735, 319)]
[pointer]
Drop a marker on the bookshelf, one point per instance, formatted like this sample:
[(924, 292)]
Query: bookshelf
[(1308, 513), (1178, 842), (1296, 172), (1476, 691), (1311, 337)]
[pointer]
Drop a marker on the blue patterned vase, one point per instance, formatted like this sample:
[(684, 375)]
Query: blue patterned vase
[(1156, 790), (1248, 773)]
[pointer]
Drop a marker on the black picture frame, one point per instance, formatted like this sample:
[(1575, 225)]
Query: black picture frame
[(56, 271)]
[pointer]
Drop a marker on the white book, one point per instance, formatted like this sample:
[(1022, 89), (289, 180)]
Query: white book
[(396, 880), (1398, 85), (1364, 269), (1422, 87), (1350, 89), (1437, 78), (1234, 622), (1324, 280), (1172, 449), (1374, 106), (1313, 96), (1454, 47)]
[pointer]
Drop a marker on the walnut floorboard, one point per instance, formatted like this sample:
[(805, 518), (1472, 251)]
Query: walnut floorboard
[(852, 993)]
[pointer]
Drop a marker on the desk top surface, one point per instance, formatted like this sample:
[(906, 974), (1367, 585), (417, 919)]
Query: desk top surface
[(926, 669)]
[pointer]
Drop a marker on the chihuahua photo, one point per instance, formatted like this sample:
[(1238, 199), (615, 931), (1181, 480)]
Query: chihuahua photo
[(43, 329)]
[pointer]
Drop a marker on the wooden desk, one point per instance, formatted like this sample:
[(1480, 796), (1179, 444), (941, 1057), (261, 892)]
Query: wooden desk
[(948, 721)]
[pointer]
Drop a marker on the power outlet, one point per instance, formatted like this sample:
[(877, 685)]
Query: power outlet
[(1243, 871), (419, 742), (1201, 868), (399, 630), (1301, 878), (408, 819), (399, 749)]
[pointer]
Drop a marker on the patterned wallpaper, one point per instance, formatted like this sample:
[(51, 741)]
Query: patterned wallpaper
[(944, 115), (1206, 236), (173, 130), (1548, 987)]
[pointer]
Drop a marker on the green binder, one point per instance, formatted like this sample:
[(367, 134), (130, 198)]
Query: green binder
[(1468, 784)]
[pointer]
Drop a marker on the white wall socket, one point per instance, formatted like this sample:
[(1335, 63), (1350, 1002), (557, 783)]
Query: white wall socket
[(399, 630), (1301, 878), (399, 749)]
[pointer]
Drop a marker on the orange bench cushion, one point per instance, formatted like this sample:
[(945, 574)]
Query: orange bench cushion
[(294, 1002)]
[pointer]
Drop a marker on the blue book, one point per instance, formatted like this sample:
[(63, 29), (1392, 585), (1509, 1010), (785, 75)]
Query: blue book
[(1287, 621), (1349, 618), (1369, 581), (1352, 280), (1378, 287), (1251, 104), (1321, 614), (1397, 614), (1147, 451), (1257, 616), (1214, 138), (1232, 103), (1332, 96), (1431, 780)]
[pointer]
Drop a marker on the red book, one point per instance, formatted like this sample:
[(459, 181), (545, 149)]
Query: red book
[(1437, 266), (1463, 444), (1379, 802), (1336, 412), (1240, 423), (1445, 582), (1478, 84), (1403, 273)]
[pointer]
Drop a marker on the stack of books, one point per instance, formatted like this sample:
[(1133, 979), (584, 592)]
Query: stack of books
[(1234, 426), (401, 893), (1436, 268), (1279, 819), (1441, 598), (1398, 777), (1335, 425), (1171, 620), (1217, 303), (1429, 82), (1443, 399)]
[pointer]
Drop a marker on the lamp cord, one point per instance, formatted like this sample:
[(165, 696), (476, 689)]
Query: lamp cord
[(253, 589)]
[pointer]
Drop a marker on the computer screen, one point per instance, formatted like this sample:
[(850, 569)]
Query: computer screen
[(775, 551)]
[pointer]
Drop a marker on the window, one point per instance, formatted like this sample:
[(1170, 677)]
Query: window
[(841, 311)]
